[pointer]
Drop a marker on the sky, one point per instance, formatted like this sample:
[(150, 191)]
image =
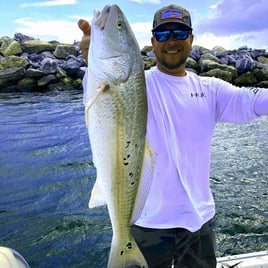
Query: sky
[(227, 23)]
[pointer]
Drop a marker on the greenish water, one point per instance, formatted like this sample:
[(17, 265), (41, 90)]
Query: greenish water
[(46, 174)]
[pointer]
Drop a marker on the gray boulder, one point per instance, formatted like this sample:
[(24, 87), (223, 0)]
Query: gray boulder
[(11, 76), (9, 46), (37, 46), (246, 79), (49, 66), (63, 51)]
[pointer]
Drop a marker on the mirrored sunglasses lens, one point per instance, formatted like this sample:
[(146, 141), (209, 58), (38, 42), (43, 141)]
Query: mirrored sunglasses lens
[(180, 35), (162, 36)]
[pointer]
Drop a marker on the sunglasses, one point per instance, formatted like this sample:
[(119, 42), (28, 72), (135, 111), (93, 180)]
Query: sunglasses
[(162, 36)]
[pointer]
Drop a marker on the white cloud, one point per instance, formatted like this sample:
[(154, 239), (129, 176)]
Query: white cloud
[(235, 17), (142, 32), (59, 30), (67, 31), (210, 40), (49, 3), (215, 6)]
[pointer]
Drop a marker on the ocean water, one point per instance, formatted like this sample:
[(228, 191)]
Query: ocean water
[(46, 174)]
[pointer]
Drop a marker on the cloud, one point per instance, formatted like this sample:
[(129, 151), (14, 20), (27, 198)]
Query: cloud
[(251, 40), (61, 30), (232, 24), (142, 31), (235, 17), (67, 31), (49, 3)]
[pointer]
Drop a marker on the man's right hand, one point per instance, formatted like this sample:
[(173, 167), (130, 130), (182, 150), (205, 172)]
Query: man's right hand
[(84, 43)]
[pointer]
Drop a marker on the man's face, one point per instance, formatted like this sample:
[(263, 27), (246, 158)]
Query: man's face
[(172, 54)]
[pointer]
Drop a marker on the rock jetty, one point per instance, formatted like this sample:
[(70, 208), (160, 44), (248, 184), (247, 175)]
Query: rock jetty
[(28, 64)]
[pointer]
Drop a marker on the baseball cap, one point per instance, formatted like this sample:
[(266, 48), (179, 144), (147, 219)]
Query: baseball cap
[(172, 13)]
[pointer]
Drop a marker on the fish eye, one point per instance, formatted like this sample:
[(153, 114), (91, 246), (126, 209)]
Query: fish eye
[(119, 25)]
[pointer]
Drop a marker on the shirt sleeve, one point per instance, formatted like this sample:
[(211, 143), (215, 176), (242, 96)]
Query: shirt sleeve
[(261, 103), (239, 104)]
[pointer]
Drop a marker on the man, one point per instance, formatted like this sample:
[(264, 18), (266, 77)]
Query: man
[(177, 223)]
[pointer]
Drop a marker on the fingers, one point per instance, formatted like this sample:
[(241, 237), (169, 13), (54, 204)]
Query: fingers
[(84, 43), (84, 26)]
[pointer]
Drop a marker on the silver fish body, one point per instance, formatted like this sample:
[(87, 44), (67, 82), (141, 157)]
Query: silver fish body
[(116, 116)]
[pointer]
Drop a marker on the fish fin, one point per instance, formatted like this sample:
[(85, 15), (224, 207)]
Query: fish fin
[(97, 198), (146, 181), (126, 255), (103, 86)]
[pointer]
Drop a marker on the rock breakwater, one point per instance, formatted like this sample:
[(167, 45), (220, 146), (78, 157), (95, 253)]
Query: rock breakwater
[(28, 64)]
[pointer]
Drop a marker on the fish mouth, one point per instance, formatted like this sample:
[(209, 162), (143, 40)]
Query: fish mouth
[(100, 18)]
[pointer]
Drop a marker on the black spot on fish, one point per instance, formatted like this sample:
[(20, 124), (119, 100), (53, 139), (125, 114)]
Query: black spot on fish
[(132, 183), (130, 175), (126, 162), (122, 252), (129, 245), (127, 144)]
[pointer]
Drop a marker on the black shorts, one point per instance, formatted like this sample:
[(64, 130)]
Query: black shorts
[(163, 248)]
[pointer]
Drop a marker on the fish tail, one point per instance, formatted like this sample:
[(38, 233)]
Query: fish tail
[(124, 255)]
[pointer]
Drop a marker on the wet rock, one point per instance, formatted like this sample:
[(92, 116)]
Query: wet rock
[(206, 65), (48, 66), (192, 64), (47, 54), (45, 80), (145, 50), (37, 46), (222, 74), (63, 51), (218, 51), (258, 53), (261, 74), (13, 61), (9, 47), (263, 59), (27, 84), (11, 76), (34, 73), (27, 64), (71, 66), (81, 72), (196, 53), (149, 62), (244, 64), (208, 56), (246, 79), (22, 38), (263, 84)]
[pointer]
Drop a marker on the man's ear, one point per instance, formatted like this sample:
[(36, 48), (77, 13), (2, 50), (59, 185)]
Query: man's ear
[(153, 43), (191, 39)]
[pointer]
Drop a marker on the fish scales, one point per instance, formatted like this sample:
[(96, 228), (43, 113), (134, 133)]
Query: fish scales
[(116, 117)]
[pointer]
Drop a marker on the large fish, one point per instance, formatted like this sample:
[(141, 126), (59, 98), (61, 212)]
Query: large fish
[(116, 117)]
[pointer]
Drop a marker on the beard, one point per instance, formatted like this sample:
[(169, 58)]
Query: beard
[(172, 65)]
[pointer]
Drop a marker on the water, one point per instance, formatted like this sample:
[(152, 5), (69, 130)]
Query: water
[(46, 174)]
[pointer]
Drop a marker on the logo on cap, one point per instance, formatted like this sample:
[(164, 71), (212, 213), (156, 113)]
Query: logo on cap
[(172, 14)]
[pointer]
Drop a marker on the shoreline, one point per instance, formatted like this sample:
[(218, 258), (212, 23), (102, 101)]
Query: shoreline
[(33, 65)]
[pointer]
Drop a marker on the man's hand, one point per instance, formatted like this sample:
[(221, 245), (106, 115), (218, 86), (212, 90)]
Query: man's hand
[(84, 43)]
